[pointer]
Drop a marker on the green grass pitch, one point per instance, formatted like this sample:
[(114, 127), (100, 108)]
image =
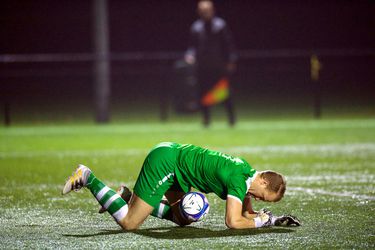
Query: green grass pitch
[(329, 165)]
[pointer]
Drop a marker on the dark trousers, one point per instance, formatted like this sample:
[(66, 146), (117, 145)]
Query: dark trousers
[(207, 79)]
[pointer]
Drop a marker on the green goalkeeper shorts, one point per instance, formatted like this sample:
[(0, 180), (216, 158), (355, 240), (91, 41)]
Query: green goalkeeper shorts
[(157, 174)]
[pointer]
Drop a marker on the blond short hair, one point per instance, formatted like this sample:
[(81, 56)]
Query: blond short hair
[(276, 183)]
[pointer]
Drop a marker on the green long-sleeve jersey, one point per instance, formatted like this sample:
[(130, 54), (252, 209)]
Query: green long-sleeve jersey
[(212, 171)]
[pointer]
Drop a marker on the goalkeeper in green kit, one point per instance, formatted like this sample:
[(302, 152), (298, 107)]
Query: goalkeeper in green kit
[(170, 170)]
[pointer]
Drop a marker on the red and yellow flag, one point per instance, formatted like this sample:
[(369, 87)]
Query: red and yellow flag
[(219, 93)]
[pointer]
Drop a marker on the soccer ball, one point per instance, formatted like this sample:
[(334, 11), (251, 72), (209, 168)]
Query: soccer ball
[(194, 206)]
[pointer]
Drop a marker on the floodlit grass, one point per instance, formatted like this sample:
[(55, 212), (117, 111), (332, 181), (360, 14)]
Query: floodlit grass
[(329, 164)]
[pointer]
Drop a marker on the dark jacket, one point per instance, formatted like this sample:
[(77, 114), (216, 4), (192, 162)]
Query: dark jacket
[(211, 44)]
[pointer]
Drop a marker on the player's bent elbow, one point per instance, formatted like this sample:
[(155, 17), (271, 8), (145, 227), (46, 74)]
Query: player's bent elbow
[(230, 223)]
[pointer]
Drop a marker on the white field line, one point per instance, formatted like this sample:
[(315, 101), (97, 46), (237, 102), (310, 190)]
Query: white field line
[(312, 191), (358, 149), (74, 153), (188, 127), (353, 177), (325, 149)]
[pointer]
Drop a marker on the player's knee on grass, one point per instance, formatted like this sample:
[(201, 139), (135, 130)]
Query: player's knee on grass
[(174, 199), (127, 224), (177, 216), (139, 210), (186, 223)]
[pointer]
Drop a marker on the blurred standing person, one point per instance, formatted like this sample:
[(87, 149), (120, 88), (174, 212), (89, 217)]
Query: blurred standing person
[(211, 51)]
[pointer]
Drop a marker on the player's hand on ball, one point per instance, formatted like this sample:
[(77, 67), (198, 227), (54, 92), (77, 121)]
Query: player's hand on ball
[(287, 221)]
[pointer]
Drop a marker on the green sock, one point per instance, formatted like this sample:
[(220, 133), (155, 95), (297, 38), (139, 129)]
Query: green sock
[(163, 211), (107, 197)]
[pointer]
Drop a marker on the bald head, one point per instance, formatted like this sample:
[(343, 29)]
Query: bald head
[(206, 10)]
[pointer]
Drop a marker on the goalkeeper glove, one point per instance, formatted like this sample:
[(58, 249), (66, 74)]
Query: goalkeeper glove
[(268, 219), (286, 221), (264, 218)]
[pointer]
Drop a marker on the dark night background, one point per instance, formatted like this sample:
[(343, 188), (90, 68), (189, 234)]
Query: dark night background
[(344, 27)]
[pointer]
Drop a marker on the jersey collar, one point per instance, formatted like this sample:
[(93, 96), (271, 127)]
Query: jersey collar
[(250, 180)]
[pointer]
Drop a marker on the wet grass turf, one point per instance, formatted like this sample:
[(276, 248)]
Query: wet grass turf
[(329, 165)]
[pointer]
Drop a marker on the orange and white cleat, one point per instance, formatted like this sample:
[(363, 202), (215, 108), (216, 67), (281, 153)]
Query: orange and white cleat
[(78, 179)]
